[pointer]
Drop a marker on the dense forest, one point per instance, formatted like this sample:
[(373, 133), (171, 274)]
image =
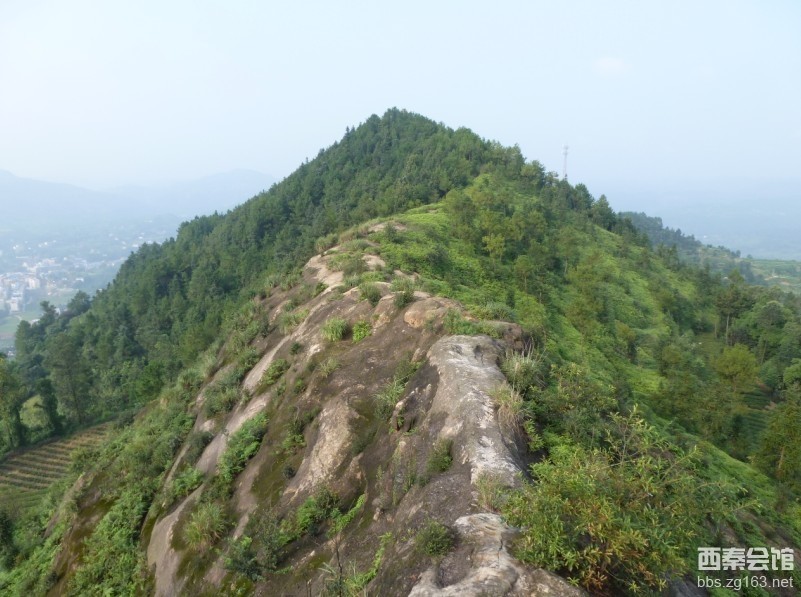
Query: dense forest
[(661, 399)]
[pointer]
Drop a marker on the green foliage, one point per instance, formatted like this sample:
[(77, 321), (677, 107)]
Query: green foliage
[(370, 292), (241, 447), (434, 539), (272, 374), (195, 444), (496, 310), (340, 521), (361, 329), (524, 370), (354, 583), (184, 483), (404, 292), (455, 323), (388, 397), (492, 493), (334, 329), (328, 366), (509, 405), (737, 366), (312, 514), (779, 453), (613, 518), (289, 320), (440, 458), (258, 551), (205, 526)]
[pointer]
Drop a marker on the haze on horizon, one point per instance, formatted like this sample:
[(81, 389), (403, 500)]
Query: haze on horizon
[(667, 107)]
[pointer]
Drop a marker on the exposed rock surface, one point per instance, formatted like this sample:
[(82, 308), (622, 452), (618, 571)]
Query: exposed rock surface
[(448, 398), (493, 571), (468, 371)]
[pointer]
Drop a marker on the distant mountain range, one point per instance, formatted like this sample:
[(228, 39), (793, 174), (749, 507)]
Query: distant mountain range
[(35, 205), (758, 218)]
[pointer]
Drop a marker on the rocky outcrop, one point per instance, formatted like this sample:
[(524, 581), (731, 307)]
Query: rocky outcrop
[(492, 571), (468, 373)]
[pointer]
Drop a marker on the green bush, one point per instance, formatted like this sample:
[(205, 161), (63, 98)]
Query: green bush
[(524, 370), (272, 374), (434, 539), (313, 512), (196, 443), (289, 320), (361, 329), (242, 446), (440, 459), (497, 310), (335, 329), (328, 366), (404, 292), (370, 292), (206, 526), (510, 407), (184, 483), (455, 323), (387, 398), (618, 519), (258, 551)]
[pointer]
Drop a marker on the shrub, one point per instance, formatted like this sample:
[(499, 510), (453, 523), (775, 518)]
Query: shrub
[(440, 459), (205, 527), (328, 366), (361, 329), (196, 443), (314, 511), (523, 370), (434, 539), (326, 242), (295, 348), (185, 483), (242, 446), (370, 292), (353, 264), (334, 329), (289, 320), (497, 310), (220, 399), (455, 323), (509, 404), (388, 397), (491, 491), (272, 374), (616, 518), (401, 299)]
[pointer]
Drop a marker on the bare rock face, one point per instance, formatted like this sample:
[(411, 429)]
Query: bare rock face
[(427, 311), (468, 371), (329, 451), (493, 570)]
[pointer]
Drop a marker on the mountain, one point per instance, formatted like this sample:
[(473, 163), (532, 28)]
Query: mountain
[(186, 199), (31, 203), (419, 365), (36, 206)]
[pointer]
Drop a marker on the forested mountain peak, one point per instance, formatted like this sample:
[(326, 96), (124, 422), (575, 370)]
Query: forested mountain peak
[(368, 375)]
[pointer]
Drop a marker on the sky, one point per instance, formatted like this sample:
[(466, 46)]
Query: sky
[(648, 96)]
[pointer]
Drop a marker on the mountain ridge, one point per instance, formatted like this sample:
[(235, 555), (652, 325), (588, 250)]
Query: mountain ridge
[(294, 349)]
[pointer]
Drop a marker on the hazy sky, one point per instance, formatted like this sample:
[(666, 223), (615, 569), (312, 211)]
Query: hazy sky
[(100, 93)]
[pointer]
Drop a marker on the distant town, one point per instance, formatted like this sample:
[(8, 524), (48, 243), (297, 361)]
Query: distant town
[(54, 269)]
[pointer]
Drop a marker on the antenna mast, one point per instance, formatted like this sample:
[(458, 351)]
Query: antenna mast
[(564, 165)]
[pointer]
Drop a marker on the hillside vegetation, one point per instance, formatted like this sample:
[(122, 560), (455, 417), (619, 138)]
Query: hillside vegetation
[(291, 418)]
